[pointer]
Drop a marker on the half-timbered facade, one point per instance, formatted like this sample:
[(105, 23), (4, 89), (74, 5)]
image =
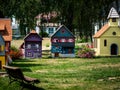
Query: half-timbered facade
[(33, 45), (62, 43)]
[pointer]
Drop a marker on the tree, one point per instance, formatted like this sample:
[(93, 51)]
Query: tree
[(79, 14)]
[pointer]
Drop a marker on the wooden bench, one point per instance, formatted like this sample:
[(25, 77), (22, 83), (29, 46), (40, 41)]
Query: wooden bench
[(15, 74)]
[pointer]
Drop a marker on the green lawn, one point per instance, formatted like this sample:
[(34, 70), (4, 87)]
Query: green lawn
[(69, 74)]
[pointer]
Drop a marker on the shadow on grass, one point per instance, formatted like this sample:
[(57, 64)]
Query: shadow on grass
[(26, 65), (31, 87)]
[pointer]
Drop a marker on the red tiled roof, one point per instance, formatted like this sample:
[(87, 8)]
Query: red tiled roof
[(101, 31), (2, 27), (5, 24)]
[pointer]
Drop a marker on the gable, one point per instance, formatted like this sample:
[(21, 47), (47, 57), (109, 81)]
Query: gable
[(62, 31), (112, 32), (33, 37)]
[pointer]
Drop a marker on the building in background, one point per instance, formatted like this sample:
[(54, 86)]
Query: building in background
[(47, 22), (15, 28)]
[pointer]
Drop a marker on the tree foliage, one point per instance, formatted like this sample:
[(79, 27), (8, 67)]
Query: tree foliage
[(75, 14)]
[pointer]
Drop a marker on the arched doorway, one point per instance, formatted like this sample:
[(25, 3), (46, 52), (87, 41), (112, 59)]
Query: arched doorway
[(114, 49)]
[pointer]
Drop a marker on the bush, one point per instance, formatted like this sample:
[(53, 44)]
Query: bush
[(86, 52), (44, 34), (47, 45), (15, 53)]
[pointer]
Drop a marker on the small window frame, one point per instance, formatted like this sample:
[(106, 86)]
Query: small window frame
[(113, 19), (105, 42)]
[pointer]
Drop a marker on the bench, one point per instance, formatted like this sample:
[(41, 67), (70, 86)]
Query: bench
[(15, 74)]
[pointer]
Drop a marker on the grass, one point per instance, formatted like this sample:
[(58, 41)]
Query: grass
[(17, 43), (69, 74)]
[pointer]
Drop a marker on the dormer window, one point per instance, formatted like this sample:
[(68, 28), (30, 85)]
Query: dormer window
[(113, 19)]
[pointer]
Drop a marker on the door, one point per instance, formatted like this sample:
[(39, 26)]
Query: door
[(114, 49), (56, 54)]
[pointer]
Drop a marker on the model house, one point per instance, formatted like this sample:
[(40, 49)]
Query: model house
[(2, 51), (32, 45), (107, 39), (6, 32), (5, 40), (62, 43)]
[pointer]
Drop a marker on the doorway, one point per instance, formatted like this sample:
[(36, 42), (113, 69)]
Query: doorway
[(56, 54), (114, 49)]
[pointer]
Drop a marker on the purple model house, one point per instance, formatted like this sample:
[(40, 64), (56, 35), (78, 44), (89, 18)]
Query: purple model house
[(32, 45)]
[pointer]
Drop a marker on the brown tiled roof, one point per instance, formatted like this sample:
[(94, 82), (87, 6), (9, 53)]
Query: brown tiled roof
[(7, 32), (101, 31), (2, 27)]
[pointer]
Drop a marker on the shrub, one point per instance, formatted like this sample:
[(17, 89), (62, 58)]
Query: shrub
[(86, 52), (15, 53), (43, 34), (47, 45)]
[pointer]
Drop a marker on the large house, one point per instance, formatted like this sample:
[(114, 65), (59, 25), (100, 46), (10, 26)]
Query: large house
[(107, 39), (44, 20)]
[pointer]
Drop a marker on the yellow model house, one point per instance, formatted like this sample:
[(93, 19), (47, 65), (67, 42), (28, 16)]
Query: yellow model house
[(2, 51), (107, 39)]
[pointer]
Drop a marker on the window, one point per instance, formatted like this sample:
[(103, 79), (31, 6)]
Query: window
[(114, 33), (37, 45), (113, 19), (105, 42), (57, 40), (29, 54), (28, 46), (63, 31), (51, 31)]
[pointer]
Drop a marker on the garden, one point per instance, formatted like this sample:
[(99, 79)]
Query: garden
[(96, 73), (68, 74)]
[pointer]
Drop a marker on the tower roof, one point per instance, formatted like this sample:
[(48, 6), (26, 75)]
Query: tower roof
[(113, 13)]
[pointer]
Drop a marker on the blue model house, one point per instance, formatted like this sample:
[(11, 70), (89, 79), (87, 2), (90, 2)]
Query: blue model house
[(33, 45), (62, 43)]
